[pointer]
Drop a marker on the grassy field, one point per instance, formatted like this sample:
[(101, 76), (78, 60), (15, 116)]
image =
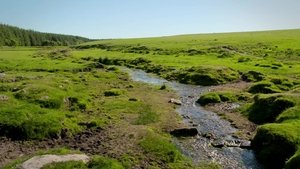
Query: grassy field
[(269, 61), (58, 92), (52, 94)]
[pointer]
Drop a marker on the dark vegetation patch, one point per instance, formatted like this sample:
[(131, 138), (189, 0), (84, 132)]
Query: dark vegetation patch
[(113, 92)]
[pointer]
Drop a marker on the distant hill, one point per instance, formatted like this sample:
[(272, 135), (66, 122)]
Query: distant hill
[(14, 36)]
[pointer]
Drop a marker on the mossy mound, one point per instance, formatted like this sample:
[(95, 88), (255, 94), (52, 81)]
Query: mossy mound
[(290, 114), (30, 122), (253, 76), (266, 108), (276, 143), (283, 84), (209, 98), (218, 97), (264, 87)]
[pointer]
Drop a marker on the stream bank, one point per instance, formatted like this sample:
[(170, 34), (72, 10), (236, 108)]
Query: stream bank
[(211, 128)]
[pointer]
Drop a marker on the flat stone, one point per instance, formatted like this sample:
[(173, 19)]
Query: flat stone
[(218, 143), (175, 101), (38, 162)]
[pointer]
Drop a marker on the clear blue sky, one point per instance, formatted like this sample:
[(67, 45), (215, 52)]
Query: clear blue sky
[(144, 18)]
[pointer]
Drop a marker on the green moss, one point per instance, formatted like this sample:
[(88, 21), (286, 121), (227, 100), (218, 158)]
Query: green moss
[(266, 108), (275, 143), (209, 98), (290, 114), (228, 97), (253, 76), (218, 97), (264, 87)]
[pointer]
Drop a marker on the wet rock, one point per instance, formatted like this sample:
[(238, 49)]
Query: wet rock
[(232, 143), (208, 135), (218, 143), (186, 116), (245, 145), (184, 132), (175, 101)]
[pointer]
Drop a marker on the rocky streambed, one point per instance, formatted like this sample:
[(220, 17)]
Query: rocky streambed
[(215, 140)]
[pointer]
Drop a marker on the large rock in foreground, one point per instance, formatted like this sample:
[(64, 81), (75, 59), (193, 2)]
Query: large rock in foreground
[(39, 162)]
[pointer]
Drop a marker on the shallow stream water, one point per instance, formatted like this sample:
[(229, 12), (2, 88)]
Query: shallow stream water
[(199, 148)]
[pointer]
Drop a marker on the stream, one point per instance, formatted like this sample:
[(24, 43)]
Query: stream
[(199, 148)]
